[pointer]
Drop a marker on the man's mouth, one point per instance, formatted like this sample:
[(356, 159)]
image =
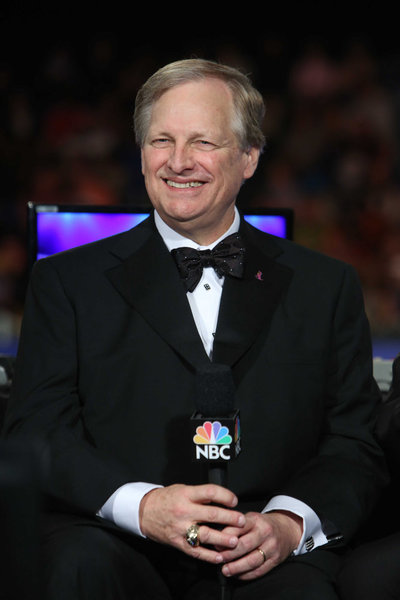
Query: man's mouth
[(187, 184)]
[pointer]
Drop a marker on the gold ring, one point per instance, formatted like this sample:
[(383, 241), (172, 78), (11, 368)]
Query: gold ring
[(262, 554), (192, 535)]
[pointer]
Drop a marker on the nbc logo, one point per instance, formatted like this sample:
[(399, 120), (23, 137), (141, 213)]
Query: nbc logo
[(212, 433), (213, 441)]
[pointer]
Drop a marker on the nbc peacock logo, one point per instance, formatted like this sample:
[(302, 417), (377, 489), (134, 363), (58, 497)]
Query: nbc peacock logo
[(212, 433), (213, 441)]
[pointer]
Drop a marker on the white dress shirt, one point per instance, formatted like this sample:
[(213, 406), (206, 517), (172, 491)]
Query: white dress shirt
[(123, 506)]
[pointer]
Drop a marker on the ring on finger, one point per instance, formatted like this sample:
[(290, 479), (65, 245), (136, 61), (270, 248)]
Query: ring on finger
[(192, 535), (262, 554)]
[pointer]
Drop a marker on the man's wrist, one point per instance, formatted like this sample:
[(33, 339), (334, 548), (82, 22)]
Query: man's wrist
[(142, 509), (313, 535), (123, 506), (293, 523)]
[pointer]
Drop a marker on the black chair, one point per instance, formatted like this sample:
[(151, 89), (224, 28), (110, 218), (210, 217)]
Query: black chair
[(385, 518), (7, 365), (20, 505)]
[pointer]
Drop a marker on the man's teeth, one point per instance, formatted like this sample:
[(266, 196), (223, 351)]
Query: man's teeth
[(184, 185)]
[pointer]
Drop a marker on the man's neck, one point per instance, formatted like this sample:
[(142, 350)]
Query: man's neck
[(174, 239)]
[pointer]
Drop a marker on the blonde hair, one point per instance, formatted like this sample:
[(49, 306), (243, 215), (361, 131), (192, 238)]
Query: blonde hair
[(248, 103)]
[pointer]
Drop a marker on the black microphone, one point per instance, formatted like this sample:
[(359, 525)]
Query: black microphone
[(216, 430), (215, 422)]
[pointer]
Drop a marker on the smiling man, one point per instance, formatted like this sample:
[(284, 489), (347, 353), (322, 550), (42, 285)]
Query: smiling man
[(113, 337), (192, 161)]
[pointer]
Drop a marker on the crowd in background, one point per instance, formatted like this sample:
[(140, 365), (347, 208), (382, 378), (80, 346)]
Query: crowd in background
[(332, 153)]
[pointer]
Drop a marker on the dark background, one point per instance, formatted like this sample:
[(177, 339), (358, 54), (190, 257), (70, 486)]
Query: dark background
[(68, 80)]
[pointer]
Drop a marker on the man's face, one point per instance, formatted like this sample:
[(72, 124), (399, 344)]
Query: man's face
[(191, 160)]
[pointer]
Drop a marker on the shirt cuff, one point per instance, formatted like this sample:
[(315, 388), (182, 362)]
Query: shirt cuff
[(122, 507), (313, 536)]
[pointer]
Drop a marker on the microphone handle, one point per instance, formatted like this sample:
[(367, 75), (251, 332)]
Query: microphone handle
[(219, 475)]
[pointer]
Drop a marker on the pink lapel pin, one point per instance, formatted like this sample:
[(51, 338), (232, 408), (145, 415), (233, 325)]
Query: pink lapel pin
[(259, 276)]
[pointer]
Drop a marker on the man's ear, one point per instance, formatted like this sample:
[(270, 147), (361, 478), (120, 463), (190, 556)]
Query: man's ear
[(252, 156)]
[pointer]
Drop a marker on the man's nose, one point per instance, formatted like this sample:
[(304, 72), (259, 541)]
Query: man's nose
[(181, 158)]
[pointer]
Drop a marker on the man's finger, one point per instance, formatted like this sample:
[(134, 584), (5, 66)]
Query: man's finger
[(211, 493), (252, 565)]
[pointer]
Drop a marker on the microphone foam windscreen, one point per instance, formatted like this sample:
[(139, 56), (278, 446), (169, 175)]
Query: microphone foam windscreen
[(215, 390)]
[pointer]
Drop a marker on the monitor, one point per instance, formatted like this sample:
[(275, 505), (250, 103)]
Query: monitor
[(53, 228)]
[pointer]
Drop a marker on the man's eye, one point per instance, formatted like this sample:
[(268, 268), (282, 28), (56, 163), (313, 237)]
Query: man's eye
[(160, 142), (205, 144)]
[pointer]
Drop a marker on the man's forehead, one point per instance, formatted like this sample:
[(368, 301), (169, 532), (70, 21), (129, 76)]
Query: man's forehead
[(197, 89), (203, 99)]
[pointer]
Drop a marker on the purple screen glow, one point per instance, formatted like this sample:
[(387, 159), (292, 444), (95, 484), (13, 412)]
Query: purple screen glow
[(58, 231), (274, 224)]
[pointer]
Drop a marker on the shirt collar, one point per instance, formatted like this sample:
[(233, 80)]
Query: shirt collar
[(173, 239)]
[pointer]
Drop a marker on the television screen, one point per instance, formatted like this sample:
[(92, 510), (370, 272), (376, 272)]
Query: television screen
[(55, 227)]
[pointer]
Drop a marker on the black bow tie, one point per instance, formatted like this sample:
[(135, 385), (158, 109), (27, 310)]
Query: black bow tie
[(226, 258)]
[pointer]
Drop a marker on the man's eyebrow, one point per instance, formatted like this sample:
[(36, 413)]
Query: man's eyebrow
[(191, 136)]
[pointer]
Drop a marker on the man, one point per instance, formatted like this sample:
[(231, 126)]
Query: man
[(110, 347)]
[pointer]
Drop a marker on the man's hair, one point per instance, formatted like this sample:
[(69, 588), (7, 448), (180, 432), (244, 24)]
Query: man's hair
[(248, 103)]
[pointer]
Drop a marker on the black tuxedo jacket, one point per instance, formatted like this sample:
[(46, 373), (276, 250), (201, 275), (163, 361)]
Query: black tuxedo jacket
[(108, 353)]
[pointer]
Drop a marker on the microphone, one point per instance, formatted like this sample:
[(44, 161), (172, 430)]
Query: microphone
[(215, 422), (216, 430)]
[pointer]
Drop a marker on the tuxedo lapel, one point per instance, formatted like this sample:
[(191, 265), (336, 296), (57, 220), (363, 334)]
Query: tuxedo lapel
[(247, 305), (149, 281)]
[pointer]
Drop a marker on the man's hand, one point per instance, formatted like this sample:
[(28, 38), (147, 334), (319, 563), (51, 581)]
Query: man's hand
[(166, 514), (265, 541)]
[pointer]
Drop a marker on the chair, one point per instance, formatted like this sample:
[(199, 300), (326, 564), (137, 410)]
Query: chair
[(7, 364), (19, 507), (382, 369), (385, 518)]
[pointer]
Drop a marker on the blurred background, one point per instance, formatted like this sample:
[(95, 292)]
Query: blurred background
[(332, 126)]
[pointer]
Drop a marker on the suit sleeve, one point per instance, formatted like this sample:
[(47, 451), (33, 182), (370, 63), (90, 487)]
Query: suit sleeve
[(45, 407), (343, 481)]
